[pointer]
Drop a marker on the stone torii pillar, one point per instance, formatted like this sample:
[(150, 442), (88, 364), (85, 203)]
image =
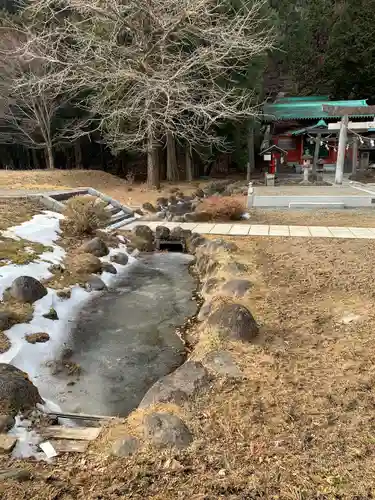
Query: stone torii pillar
[(345, 112)]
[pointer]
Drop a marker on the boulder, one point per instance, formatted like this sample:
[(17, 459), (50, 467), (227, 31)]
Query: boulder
[(165, 430), (186, 233), (222, 363), (125, 446), (143, 232), (180, 208), (96, 247), (85, 263), (162, 202), (202, 261), (140, 244), (120, 258), (194, 242), (177, 233), (37, 338), (95, 284), (235, 268), (236, 287), (206, 265), (204, 311), (109, 268), (17, 392), (234, 322), (178, 386), (220, 244), (162, 233), (178, 218), (27, 289), (149, 207), (209, 286), (6, 423)]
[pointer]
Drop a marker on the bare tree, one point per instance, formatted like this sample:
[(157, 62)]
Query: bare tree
[(154, 69), (29, 104)]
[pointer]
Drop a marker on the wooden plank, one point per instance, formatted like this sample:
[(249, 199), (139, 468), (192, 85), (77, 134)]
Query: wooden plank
[(7, 443), (349, 110), (78, 416), (69, 445), (80, 433)]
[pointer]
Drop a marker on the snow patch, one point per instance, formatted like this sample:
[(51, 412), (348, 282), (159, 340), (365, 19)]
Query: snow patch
[(31, 358), (42, 228)]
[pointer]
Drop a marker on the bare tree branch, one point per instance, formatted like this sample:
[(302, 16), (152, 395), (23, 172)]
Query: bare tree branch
[(152, 67)]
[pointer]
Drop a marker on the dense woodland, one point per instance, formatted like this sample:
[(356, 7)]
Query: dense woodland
[(167, 89)]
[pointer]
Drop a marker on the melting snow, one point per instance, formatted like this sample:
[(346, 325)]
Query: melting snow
[(43, 228)]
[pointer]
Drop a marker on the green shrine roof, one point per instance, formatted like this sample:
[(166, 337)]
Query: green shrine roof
[(306, 108)]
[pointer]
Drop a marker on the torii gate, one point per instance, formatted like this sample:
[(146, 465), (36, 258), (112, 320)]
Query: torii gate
[(345, 112)]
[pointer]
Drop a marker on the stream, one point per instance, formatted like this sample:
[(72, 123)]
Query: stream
[(124, 340)]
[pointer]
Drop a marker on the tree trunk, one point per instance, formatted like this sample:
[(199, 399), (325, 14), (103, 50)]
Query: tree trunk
[(250, 151), (50, 162), (189, 164), (78, 154), (153, 178), (342, 150), (35, 159), (172, 168)]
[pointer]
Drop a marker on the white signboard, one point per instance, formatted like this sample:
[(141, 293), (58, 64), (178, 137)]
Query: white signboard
[(267, 157)]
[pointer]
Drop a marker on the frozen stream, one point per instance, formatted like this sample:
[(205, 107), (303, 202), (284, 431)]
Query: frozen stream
[(124, 340)]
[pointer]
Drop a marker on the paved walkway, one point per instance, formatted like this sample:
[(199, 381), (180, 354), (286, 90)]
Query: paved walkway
[(263, 230)]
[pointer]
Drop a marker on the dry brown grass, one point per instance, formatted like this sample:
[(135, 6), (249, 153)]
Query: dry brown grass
[(335, 218), (300, 426), (4, 343), (19, 313), (15, 211), (84, 215), (134, 194)]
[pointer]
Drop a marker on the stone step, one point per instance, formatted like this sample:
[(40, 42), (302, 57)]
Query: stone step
[(69, 194), (114, 210), (121, 223), (120, 216)]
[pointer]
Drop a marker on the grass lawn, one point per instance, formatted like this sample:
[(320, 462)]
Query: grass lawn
[(300, 425)]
